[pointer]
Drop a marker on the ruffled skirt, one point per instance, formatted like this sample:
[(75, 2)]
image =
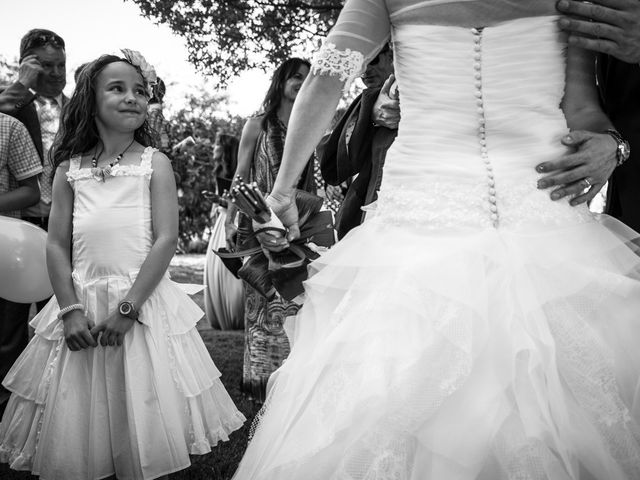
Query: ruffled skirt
[(136, 411), (491, 354)]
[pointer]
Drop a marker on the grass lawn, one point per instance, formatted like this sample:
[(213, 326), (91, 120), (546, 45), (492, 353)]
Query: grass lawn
[(226, 349)]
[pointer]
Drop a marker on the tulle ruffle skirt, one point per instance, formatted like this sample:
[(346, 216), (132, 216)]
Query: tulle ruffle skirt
[(136, 411), (491, 354)]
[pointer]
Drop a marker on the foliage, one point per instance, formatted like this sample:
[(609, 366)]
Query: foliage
[(226, 37), (202, 117), (8, 70)]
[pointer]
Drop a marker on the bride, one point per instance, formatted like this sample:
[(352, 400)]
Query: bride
[(471, 328)]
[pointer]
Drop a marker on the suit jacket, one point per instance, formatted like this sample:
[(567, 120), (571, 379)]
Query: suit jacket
[(16, 100), (363, 154), (619, 84)]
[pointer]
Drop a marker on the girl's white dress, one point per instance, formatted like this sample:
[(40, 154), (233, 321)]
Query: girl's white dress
[(473, 329), (135, 411)]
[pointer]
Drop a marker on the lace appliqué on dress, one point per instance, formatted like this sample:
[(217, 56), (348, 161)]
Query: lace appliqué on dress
[(450, 205), (144, 168), (588, 369), (346, 64), (117, 171)]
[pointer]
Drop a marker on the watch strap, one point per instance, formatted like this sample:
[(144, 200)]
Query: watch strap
[(132, 313), (623, 149)]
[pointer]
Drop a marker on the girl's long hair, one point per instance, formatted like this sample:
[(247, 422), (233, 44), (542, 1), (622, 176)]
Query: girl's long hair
[(273, 98), (78, 132)]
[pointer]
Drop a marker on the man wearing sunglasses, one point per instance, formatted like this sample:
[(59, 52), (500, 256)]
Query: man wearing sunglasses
[(358, 144), (36, 100)]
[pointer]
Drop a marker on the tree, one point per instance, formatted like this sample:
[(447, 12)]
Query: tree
[(202, 117), (226, 37), (8, 70)]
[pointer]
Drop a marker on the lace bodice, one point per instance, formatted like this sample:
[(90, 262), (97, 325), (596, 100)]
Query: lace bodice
[(480, 109), (112, 230)]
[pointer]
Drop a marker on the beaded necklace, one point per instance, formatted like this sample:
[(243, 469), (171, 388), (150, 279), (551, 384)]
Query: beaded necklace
[(101, 172)]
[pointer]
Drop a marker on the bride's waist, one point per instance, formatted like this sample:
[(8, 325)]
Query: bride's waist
[(445, 202)]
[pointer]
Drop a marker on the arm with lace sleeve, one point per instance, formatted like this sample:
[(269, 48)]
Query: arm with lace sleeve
[(360, 32)]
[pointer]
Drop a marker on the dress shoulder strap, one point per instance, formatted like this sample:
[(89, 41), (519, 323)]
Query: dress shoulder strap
[(147, 156), (74, 162)]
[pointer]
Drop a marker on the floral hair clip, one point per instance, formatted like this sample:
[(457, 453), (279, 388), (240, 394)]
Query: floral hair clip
[(136, 59)]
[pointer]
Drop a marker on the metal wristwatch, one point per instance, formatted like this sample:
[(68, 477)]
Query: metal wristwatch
[(128, 309), (623, 151)]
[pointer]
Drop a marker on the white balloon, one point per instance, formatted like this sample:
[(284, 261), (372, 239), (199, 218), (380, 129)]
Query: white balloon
[(23, 262)]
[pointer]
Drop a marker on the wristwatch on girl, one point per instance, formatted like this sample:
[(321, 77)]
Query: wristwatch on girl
[(128, 309), (623, 151)]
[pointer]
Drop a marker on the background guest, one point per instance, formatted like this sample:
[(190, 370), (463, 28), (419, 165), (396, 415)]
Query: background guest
[(155, 116), (77, 71), (224, 293), (36, 99), (259, 157), (614, 34), (359, 142), (225, 158), (19, 170)]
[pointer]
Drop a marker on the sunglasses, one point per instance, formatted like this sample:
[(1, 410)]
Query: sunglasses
[(45, 39)]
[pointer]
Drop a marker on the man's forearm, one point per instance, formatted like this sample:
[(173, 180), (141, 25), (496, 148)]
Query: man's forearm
[(22, 197)]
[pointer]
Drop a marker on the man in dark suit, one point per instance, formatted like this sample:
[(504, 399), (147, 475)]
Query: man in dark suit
[(358, 144), (611, 28), (36, 100)]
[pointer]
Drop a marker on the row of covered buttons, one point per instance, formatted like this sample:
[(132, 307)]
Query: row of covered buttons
[(482, 137)]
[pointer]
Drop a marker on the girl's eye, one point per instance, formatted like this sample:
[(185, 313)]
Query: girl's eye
[(140, 91), (116, 88)]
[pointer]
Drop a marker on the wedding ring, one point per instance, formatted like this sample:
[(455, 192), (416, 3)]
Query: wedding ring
[(586, 182)]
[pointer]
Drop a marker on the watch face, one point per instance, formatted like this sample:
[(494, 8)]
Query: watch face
[(125, 309)]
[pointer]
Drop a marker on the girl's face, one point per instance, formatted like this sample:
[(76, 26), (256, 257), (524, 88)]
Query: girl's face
[(217, 148), (121, 99), (292, 84)]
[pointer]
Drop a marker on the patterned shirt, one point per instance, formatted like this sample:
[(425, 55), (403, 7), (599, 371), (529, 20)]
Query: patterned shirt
[(49, 110), (19, 158)]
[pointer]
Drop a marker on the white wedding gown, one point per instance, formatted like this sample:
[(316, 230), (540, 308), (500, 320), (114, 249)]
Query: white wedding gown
[(472, 329)]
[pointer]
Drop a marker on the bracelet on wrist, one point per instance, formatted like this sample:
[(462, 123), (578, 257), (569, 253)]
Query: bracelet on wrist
[(69, 308)]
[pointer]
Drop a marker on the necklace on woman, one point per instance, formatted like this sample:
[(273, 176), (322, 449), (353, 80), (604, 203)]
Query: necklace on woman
[(101, 172)]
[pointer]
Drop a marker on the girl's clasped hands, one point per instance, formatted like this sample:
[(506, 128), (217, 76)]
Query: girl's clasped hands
[(80, 332)]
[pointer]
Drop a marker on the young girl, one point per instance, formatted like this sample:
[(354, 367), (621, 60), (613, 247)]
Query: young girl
[(116, 380)]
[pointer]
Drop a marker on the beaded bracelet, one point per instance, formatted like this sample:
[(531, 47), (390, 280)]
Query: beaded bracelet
[(70, 308)]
